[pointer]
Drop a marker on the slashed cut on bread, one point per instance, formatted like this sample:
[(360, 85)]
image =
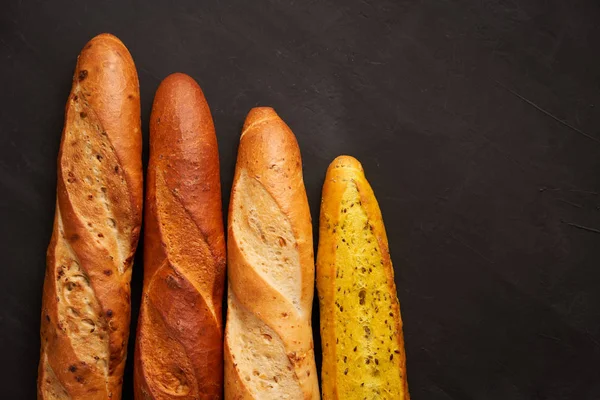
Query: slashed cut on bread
[(179, 347), (86, 299), (361, 327), (268, 336)]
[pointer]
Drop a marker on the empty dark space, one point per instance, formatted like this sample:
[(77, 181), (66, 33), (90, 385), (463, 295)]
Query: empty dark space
[(477, 123)]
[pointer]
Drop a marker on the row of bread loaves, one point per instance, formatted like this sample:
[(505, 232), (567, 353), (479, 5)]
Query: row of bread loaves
[(184, 350)]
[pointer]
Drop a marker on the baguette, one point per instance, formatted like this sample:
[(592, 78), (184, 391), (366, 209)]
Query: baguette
[(86, 295), (268, 336), (361, 327), (179, 347)]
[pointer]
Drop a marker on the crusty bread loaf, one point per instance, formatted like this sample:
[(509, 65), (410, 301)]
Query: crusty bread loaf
[(179, 347), (268, 336), (361, 327), (85, 304)]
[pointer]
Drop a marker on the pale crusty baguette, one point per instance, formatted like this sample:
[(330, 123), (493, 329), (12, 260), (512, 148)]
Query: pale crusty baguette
[(361, 327), (85, 304), (179, 347), (268, 336)]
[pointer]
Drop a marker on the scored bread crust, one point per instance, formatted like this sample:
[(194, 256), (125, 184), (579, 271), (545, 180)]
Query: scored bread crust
[(179, 349), (342, 172), (86, 295), (268, 339)]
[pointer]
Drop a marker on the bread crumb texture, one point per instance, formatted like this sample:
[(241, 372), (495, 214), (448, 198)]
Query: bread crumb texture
[(265, 236), (79, 312), (51, 386), (93, 177), (366, 334), (260, 356)]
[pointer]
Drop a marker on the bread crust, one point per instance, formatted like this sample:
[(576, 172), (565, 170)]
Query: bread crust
[(86, 295), (268, 340), (179, 349), (342, 172)]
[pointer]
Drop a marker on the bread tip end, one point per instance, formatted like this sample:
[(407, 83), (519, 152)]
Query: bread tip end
[(176, 79), (346, 162), (257, 115), (105, 36)]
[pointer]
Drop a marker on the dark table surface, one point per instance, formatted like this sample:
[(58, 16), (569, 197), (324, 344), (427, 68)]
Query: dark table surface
[(477, 123)]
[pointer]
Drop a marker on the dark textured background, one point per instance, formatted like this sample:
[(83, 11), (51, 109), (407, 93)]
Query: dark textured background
[(477, 123)]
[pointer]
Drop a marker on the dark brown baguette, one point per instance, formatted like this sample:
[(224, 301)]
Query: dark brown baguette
[(86, 298), (179, 349)]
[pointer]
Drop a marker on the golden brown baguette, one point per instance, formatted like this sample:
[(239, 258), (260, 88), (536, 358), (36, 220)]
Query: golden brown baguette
[(361, 327), (268, 336), (179, 347), (85, 304)]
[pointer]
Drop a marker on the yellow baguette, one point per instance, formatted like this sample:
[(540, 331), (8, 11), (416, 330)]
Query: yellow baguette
[(361, 326)]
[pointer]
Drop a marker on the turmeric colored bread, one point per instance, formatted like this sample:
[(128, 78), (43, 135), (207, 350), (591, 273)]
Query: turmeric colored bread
[(86, 304), (179, 347), (268, 337), (361, 327)]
